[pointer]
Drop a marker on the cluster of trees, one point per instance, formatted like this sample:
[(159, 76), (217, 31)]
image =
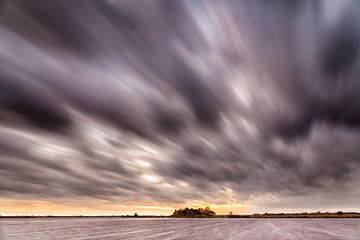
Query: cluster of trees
[(193, 212)]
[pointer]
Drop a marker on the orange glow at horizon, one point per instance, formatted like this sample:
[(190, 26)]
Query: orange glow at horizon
[(92, 208)]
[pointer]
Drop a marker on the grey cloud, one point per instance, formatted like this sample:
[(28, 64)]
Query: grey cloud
[(341, 47), (35, 103), (137, 99)]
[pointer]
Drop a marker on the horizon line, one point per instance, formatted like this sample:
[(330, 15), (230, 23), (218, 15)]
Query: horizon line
[(170, 215)]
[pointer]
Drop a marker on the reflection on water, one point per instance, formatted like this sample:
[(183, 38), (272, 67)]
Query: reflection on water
[(167, 228)]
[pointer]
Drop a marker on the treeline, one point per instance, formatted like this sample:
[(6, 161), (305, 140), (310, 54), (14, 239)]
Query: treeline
[(339, 214), (193, 212), (297, 215)]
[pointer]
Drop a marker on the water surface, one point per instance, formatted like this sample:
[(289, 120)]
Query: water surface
[(169, 228)]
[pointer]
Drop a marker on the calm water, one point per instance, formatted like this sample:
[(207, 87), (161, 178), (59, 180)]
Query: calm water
[(209, 229)]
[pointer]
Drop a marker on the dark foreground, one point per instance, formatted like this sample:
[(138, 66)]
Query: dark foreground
[(172, 228)]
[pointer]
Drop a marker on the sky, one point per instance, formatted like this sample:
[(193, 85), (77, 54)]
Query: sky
[(115, 107)]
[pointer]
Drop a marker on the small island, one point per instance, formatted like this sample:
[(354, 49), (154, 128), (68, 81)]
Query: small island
[(194, 212)]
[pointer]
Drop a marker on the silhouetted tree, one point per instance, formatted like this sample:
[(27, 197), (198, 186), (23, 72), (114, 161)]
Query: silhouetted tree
[(193, 213)]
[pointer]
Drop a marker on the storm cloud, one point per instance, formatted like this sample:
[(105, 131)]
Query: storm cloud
[(176, 101)]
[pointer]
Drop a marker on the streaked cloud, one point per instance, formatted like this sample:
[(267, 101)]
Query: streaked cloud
[(170, 102)]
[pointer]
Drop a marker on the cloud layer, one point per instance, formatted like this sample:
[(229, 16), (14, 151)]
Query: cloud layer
[(176, 101)]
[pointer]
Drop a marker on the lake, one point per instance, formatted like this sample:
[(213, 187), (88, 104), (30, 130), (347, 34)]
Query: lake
[(170, 228)]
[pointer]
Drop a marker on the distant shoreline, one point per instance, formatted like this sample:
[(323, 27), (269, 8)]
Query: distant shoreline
[(264, 215)]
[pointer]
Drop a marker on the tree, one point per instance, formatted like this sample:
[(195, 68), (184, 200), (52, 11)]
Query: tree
[(193, 213)]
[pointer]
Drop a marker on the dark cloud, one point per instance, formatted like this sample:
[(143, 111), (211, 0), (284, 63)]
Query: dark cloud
[(203, 101), (53, 24), (168, 121), (179, 101), (342, 47), (35, 103)]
